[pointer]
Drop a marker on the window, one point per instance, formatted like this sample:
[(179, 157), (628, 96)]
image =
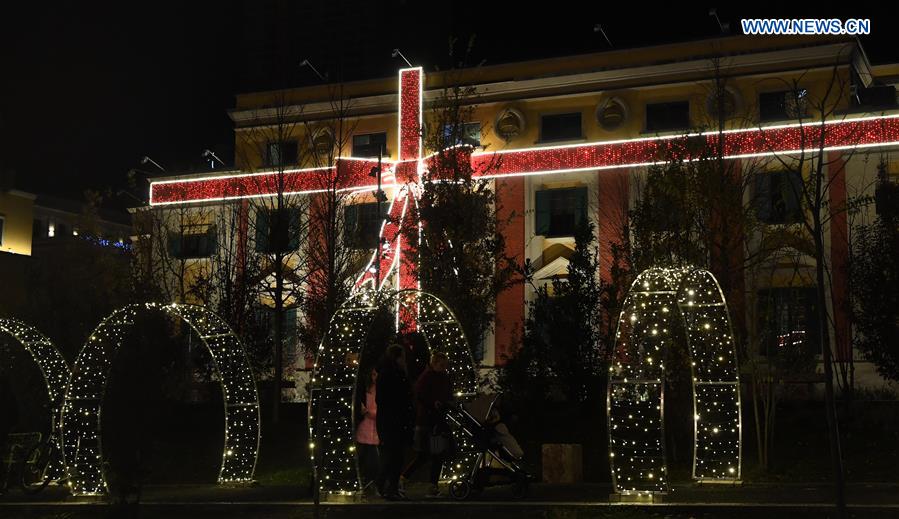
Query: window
[(281, 153), (38, 229), (362, 225), (194, 241), (274, 234), (265, 319), (370, 144), (662, 117), (465, 133), (788, 321), (778, 197), (2, 228), (559, 212), (561, 127), (783, 104), (886, 191)]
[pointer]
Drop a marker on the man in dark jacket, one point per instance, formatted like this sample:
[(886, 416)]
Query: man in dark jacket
[(394, 420), (433, 392)]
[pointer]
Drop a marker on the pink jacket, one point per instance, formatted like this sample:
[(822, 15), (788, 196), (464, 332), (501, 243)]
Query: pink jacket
[(367, 431)]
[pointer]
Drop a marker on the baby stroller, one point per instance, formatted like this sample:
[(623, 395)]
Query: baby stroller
[(481, 458)]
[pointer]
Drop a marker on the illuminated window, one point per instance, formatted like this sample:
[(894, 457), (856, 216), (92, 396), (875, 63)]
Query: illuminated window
[(788, 322), (661, 117), (282, 153), (559, 212), (370, 144), (561, 127), (778, 197), (276, 233), (194, 241), (362, 225), (51, 230)]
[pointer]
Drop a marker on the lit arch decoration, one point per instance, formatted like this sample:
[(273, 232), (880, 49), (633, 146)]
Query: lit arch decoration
[(82, 438), (336, 370), (661, 304), (54, 370)]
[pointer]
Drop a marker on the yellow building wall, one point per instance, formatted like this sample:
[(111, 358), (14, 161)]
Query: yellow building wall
[(747, 89), (18, 214)]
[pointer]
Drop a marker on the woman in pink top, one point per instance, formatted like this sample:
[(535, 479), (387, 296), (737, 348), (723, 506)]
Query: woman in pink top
[(367, 433)]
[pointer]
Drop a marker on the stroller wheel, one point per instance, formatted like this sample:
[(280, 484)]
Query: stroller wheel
[(520, 489), (460, 489)]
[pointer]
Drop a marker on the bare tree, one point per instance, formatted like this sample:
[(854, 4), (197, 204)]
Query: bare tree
[(461, 251), (334, 254), (816, 172), (277, 221)]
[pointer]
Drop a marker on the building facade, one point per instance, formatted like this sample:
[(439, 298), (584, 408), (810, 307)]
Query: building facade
[(605, 106)]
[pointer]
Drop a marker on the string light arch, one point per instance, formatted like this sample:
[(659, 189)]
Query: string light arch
[(54, 371), (665, 306), (82, 438), (336, 371)]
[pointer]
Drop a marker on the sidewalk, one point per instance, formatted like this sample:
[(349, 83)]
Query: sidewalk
[(756, 500)]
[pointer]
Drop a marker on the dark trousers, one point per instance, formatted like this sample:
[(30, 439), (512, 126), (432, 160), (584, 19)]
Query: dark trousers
[(422, 444), (422, 457), (369, 463), (391, 465)]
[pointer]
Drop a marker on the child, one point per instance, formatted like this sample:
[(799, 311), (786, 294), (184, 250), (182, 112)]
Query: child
[(367, 431)]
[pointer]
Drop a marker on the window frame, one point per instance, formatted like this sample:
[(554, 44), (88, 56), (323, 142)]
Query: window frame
[(784, 114), (776, 296), (179, 252), (354, 235), (646, 117), (763, 194), (354, 148), (542, 135), (551, 196), (465, 130), (269, 162), (263, 239)]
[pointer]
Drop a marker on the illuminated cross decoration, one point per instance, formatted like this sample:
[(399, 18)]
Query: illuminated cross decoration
[(405, 174)]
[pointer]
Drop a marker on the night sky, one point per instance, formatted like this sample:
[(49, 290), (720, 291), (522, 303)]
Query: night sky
[(86, 89)]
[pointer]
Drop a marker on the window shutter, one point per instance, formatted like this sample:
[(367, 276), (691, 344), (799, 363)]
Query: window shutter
[(211, 242), (793, 197), (294, 229), (262, 230), (580, 207), (174, 244), (762, 196), (350, 223), (542, 212)]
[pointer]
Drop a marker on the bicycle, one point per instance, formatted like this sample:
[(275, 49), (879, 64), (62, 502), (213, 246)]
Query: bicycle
[(32, 461)]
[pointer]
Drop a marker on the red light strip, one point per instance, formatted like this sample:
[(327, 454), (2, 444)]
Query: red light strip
[(844, 134)]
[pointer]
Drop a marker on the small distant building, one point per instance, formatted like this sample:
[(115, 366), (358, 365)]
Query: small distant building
[(32, 226)]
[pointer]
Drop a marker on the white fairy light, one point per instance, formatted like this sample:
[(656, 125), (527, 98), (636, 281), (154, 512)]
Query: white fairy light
[(82, 435), (331, 414), (636, 385), (54, 370)]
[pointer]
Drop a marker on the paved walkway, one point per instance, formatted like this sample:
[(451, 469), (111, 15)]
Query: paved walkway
[(583, 500)]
